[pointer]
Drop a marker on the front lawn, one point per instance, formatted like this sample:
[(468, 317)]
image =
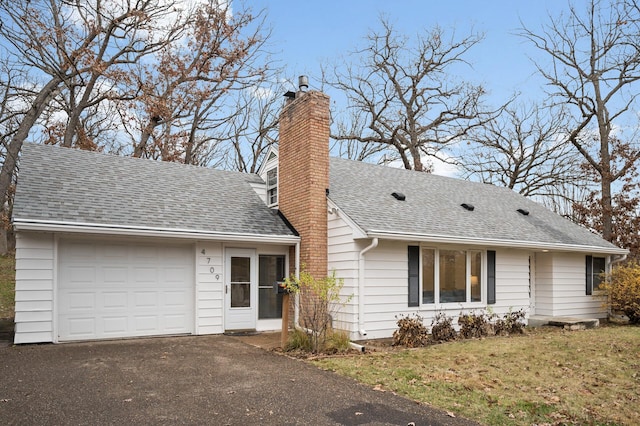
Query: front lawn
[(7, 285), (547, 376)]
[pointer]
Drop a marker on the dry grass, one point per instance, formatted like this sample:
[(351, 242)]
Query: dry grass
[(7, 285), (547, 376)]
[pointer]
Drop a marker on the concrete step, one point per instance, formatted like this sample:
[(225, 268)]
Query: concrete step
[(571, 323)]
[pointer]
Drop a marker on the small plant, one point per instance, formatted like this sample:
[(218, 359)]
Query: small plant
[(442, 329), (511, 323), (475, 325), (337, 342), (622, 291), (411, 332), (320, 300), (298, 340)]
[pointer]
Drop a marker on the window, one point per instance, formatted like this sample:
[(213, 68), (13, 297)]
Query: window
[(451, 276), (596, 267), (272, 186), (271, 269)]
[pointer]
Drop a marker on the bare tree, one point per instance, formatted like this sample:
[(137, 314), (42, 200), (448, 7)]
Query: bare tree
[(404, 96), (192, 85), (595, 65), (523, 149)]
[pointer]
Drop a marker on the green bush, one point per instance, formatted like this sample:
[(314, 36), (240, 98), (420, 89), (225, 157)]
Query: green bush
[(411, 332), (622, 291), (442, 328)]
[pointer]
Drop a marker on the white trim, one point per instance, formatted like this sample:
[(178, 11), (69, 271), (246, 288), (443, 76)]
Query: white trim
[(358, 232), (54, 293), (144, 231), (494, 243)]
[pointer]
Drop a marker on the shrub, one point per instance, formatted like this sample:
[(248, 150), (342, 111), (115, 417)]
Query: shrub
[(411, 332), (298, 340), (622, 291), (475, 325), (442, 329), (511, 323), (337, 342), (322, 300)]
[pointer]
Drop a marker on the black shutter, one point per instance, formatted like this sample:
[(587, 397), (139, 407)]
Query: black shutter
[(491, 277), (589, 275), (414, 276)]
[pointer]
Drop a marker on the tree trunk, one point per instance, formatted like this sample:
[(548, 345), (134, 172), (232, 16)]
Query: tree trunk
[(146, 134), (15, 145)]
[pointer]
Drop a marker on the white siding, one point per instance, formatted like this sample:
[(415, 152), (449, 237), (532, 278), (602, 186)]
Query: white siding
[(34, 287), (209, 288), (343, 254), (544, 284), (569, 293), (386, 289), (560, 287), (512, 281)]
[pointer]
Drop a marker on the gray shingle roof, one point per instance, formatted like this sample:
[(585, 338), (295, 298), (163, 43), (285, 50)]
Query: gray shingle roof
[(433, 207), (73, 186)]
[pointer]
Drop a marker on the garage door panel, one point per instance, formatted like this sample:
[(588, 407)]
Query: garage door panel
[(145, 275), (145, 299), (77, 301), (114, 275), (79, 250), (80, 327), (114, 300), (114, 326), (124, 290)]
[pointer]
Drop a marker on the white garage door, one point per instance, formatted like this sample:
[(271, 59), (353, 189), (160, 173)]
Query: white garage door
[(119, 289)]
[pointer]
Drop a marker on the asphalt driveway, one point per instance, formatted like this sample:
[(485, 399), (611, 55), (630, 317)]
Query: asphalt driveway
[(217, 380)]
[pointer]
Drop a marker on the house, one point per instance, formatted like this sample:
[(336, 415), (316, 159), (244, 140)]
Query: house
[(111, 247)]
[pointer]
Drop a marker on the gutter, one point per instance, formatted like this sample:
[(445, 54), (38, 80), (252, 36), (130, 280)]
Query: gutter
[(435, 238), (148, 231), (374, 244)]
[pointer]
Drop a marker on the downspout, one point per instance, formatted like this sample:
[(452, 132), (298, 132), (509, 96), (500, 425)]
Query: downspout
[(296, 301), (374, 244), (618, 259)]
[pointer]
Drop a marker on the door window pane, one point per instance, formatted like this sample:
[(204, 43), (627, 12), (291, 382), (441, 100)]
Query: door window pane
[(240, 269), (428, 275), (240, 295), (476, 275), (240, 282), (453, 276), (271, 269)]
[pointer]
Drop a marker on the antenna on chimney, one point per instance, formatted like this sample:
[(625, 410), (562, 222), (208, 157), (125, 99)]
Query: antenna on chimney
[(303, 83)]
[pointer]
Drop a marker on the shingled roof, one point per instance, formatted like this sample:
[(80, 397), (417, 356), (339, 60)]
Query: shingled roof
[(432, 210), (69, 186)]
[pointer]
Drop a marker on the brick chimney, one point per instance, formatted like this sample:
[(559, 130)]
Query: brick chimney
[(304, 174)]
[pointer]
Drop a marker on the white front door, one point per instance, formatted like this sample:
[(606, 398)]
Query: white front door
[(241, 289)]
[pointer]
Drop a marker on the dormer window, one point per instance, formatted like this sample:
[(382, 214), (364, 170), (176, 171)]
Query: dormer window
[(272, 186)]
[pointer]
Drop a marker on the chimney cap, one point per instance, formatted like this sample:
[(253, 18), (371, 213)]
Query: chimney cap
[(303, 83)]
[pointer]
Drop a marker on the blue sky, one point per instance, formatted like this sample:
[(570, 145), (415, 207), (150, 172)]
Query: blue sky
[(307, 33)]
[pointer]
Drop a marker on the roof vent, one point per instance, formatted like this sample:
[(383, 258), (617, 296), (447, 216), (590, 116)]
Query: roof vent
[(468, 206), (399, 196), (523, 212)]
